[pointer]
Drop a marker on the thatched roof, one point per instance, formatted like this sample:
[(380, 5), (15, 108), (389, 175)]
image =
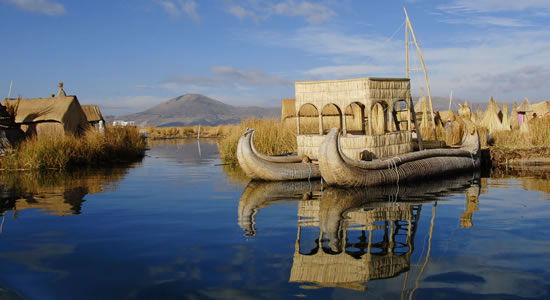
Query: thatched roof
[(541, 108), (64, 110), (525, 106), (92, 112)]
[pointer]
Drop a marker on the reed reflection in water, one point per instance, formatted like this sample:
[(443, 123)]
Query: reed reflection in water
[(347, 237), (55, 193)]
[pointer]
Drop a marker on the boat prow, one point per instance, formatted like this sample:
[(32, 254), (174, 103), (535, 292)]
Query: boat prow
[(337, 169), (272, 168)]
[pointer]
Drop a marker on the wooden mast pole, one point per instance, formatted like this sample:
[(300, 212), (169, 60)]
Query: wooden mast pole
[(407, 46), (423, 67)]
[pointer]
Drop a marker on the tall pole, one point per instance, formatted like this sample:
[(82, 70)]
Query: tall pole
[(407, 46), (9, 92), (423, 67)]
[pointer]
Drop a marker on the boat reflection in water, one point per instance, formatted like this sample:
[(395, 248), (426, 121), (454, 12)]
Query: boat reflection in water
[(347, 237)]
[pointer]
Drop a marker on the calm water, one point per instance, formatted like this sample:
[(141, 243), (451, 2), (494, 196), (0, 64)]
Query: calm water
[(179, 225)]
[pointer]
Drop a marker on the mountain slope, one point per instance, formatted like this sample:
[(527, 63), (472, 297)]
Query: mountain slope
[(194, 109)]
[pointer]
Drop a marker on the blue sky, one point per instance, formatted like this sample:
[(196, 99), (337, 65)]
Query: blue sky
[(129, 55)]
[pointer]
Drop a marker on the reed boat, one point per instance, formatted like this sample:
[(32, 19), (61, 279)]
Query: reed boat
[(259, 166), (338, 169)]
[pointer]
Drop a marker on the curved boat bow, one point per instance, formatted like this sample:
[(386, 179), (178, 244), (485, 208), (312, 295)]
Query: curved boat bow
[(273, 168), (338, 169)]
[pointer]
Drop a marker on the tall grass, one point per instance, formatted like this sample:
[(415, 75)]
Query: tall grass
[(182, 132), (117, 144), (271, 138), (538, 135)]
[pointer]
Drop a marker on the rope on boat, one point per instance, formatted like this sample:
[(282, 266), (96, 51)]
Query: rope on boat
[(473, 162)]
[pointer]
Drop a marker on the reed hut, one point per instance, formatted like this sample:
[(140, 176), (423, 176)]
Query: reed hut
[(93, 116), (541, 109), (370, 112), (54, 116), (491, 120), (525, 112)]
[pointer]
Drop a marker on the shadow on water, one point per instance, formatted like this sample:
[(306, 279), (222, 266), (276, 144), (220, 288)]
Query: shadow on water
[(347, 237), (56, 193)]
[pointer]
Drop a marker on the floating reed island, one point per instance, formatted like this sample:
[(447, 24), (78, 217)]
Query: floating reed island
[(360, 132), (58, 133)]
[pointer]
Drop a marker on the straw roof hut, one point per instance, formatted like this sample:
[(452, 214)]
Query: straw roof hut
[(525, 106), (50, 116), (491, 120), (93, 114), (525, 114), (514, 118), (541, 108)]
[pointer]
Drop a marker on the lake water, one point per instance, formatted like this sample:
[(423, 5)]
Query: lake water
[(179, 225)]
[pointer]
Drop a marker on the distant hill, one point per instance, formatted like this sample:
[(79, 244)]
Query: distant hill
[(195, 109)]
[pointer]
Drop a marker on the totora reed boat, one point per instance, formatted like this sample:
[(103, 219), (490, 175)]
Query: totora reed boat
[(273, 168), (338, 169)]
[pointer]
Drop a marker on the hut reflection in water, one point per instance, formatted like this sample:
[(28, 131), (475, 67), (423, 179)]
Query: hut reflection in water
[(346, 237), (54, 193)]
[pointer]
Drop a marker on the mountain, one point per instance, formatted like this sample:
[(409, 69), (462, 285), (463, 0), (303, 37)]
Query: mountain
[(195, 109)]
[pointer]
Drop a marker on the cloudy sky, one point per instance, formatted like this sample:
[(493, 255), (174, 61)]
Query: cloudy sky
[(128, 55)]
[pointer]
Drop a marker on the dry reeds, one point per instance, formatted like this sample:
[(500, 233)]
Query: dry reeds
[(271, 138), (537, 136), (182, 132), (117, 144)]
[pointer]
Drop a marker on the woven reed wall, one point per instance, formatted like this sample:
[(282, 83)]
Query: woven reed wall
[(327, 269), (288, 109), (346, 91), (360, 147), (308, 211)]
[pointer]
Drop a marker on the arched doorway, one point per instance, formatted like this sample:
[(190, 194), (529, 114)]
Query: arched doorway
[(379, 118), (331, 117), (355, 118), (308, 119)]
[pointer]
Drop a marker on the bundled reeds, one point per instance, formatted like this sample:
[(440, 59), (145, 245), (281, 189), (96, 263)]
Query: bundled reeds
[(537, 136)]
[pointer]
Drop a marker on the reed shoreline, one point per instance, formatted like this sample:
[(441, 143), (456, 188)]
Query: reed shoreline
[(67, 152)]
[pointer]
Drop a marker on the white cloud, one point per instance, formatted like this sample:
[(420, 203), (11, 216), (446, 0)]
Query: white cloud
[(228, 76), (312, 12), (240, 12), (508, 63), (178, 7), (491, 6), (46, 7)]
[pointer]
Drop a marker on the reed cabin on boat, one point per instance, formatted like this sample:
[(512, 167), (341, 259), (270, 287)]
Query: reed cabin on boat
[(373, 115)]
